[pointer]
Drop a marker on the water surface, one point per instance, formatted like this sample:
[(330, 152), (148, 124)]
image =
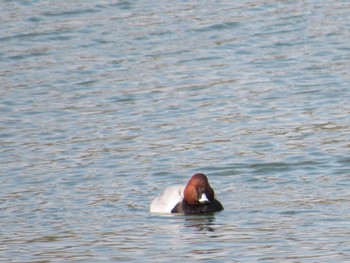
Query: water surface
[(104, 104)]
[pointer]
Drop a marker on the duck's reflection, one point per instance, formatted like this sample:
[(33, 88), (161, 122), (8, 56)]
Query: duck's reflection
[(203, 222)]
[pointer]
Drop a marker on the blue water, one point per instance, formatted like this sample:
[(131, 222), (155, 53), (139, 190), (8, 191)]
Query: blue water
[(104, 104)]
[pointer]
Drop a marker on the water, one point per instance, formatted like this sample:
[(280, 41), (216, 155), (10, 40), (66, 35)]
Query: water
[(104, 104)]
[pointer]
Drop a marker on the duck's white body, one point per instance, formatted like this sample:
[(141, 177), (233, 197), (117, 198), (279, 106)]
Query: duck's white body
[(168, 200)]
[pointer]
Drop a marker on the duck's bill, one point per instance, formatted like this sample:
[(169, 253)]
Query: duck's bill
[(203, 199)]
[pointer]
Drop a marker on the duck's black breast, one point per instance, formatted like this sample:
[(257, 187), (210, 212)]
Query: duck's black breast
[(184, 208)]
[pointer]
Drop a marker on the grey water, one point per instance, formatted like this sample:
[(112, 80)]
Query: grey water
[(104, 104)]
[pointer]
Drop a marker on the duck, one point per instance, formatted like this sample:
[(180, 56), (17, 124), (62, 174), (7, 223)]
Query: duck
[(197, 197)]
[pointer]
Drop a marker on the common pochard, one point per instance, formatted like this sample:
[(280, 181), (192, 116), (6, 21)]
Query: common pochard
[(197, 197)]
